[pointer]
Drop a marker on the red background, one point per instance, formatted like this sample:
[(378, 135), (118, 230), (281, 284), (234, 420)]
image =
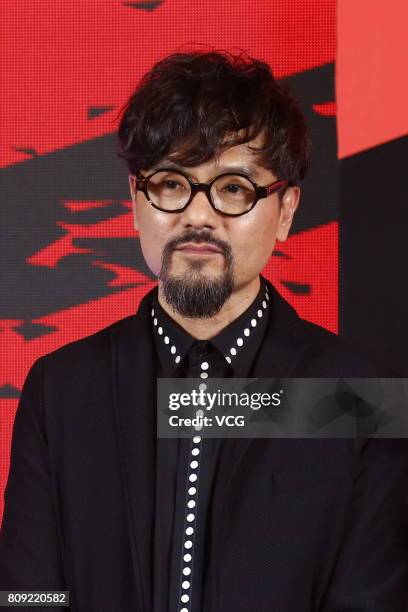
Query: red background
[(67, 68)]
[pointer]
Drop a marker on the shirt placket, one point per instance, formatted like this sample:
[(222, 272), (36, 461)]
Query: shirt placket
[(192, 496), (195, 453)]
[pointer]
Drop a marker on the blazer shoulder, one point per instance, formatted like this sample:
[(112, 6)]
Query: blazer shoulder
[(336, 356), (94, 347)]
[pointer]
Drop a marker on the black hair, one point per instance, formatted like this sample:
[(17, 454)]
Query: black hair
[(191, 106)]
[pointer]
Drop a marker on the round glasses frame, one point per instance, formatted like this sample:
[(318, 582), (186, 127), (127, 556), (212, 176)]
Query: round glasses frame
[(141, 183)]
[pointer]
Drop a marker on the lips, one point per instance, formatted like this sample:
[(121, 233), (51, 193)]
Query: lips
[(198, 248)]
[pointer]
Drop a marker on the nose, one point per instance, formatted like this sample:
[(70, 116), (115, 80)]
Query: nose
[(199, 213)]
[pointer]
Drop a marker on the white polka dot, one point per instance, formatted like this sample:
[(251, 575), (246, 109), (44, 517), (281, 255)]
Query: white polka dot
[(173, 350), (253, 322), (264, 304), (190, 517), (267, 296), (247, 331), (194, 465), (152, 312), (240, 341), (204, 365), (228, 359), (195, 452), (188, 544), (155, 321), (233, 351), (184, 598), (187, 558), (191, 503), (203, 375), (189, 531), (177, 359), (202, 386), (197, 439), (260, 313), (200, 413), (184, 610), (192, 477), (185, 584), (198, 427), (192, 491), (186, 571), (160, 330), (166, 340)]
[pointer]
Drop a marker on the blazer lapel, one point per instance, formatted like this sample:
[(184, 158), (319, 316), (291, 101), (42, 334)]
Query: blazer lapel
[(282, 346), (134, 384), (278, 356)]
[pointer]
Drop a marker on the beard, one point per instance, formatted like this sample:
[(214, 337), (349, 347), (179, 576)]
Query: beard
[(193, 294)]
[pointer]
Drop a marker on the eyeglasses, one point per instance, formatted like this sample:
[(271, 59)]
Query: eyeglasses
[(231, 194)]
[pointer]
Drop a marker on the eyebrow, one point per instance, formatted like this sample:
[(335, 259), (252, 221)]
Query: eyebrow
[(248, 169)]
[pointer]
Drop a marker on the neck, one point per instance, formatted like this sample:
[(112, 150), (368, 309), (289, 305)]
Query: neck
[(204, 329)]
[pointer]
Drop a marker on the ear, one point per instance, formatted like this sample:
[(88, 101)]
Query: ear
[(289, 204), (133, 195)]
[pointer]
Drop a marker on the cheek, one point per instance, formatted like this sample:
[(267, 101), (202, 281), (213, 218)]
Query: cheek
[(152, 240), (253, 243), (151, 256)]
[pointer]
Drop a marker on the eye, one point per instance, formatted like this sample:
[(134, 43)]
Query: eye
[(171, 184), (233, 188)]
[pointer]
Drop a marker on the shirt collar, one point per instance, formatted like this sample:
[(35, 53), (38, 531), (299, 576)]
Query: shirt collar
[(230, 341)]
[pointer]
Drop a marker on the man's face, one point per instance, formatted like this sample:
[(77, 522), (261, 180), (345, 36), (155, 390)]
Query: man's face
[(243, 244)]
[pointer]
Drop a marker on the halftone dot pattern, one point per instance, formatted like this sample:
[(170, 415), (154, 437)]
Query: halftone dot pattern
[(7, 411), (306, 273), (73, 263)]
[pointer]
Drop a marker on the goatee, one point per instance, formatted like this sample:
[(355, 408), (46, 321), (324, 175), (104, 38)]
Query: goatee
[(193, 294)]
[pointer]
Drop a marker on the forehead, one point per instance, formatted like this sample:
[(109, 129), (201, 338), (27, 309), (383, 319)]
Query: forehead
[(237, 158)]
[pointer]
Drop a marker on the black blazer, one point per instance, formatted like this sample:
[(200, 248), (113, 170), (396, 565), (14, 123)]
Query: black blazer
[(302, 526)]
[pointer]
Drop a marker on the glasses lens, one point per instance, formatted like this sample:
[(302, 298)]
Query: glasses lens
[(168, 190), (233, 194)]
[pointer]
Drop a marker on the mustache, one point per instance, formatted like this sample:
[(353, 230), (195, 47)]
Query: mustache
[(199, 237)]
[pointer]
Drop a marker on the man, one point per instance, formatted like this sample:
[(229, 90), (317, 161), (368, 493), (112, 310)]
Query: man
[(95, 502)]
